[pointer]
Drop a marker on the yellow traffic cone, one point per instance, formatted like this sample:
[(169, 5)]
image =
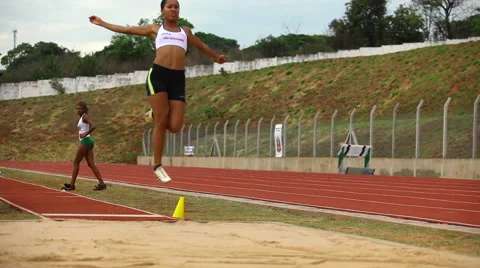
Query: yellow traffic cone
[(179, 210)]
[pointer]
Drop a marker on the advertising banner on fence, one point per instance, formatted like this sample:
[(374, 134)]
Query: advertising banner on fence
[(278, 140)]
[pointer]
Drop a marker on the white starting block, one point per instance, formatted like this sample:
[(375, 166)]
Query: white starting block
[(354, 150)]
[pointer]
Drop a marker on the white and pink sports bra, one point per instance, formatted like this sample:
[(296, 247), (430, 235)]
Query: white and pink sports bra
[(167, 38)]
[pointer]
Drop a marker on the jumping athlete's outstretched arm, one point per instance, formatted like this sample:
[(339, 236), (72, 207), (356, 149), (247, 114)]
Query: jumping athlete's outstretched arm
[(147, 30), (195, 41)]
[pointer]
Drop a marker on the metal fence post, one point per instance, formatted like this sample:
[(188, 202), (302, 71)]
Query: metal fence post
[(332, 132), (172, 149), (372, 113), (315, 134), (189, 135), (215, 130), (394, 126), (225, 139), (258, 135), (285, 122), (215, 140), (169, 140), (271, 136), (246, 137), (417, 134), (181, 140), (143, 142), (174, 137), (475, 127), (351, 137), (299, 140), (206, 139), (149, 144), (445, 127), (198, 137), (350, 127), (235, 139)]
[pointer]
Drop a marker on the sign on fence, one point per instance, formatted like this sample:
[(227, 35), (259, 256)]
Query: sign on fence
[(188, 150), (278, 141)]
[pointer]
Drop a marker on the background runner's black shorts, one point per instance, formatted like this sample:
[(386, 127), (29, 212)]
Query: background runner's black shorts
[(161, 79)]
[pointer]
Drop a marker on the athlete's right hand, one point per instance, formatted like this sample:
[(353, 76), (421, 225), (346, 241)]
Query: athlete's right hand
[(95, 20), (221, 59)]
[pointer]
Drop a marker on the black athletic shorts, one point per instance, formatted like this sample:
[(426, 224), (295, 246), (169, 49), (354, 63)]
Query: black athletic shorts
[(161, 79)]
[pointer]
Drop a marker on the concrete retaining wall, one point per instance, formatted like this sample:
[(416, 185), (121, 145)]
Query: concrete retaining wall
[(436, 168), (80, 84)]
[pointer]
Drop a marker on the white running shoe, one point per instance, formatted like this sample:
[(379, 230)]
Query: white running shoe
[(162, 175)]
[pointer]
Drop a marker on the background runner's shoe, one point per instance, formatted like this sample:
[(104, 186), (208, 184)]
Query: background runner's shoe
[(148, 116), (162, 175), (100, 187), (68, 187)]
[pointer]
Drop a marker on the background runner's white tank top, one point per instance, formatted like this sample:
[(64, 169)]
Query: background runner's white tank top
[(82, 127), (167, 38)]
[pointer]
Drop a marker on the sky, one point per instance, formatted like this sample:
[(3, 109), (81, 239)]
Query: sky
[(66, 23)]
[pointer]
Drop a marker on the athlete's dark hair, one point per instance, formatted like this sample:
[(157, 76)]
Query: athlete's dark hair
[(162, 4), (84, 106)]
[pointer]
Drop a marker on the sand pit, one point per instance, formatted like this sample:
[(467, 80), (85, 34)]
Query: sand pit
[(79, 243)]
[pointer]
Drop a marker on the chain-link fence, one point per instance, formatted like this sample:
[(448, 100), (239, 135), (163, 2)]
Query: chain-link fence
[(448, 135)]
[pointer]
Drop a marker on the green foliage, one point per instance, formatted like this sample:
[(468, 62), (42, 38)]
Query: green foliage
[(217, 43), (128, 47), (367, 21), (467, 28), (89, 66), (441, 16), (290, 45), (55, 84), (405, 26), (41, 61)]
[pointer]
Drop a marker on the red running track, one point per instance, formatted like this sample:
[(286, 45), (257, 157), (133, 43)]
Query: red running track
[(59, 205), (448, 201)]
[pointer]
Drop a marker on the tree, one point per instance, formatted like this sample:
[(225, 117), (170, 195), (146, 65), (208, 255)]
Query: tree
[(405, 26), (367, 21), (126, 47), (289, 45), (44, 60), (468, 27), (217, 43), (363, 25), (25, 54), (442, 12), (16, 56), (340, 34)]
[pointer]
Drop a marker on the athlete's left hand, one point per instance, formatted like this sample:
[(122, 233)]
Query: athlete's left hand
[(83, 135), (221, 59)]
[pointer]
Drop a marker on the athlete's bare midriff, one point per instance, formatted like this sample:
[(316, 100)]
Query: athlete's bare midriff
[(171, 57)]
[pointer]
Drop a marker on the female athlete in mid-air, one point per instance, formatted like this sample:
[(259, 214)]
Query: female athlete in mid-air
[(85, 149), (166, 78)]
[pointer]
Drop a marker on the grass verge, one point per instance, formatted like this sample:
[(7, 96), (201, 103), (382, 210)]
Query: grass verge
[(10, 213), (208, 209)]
